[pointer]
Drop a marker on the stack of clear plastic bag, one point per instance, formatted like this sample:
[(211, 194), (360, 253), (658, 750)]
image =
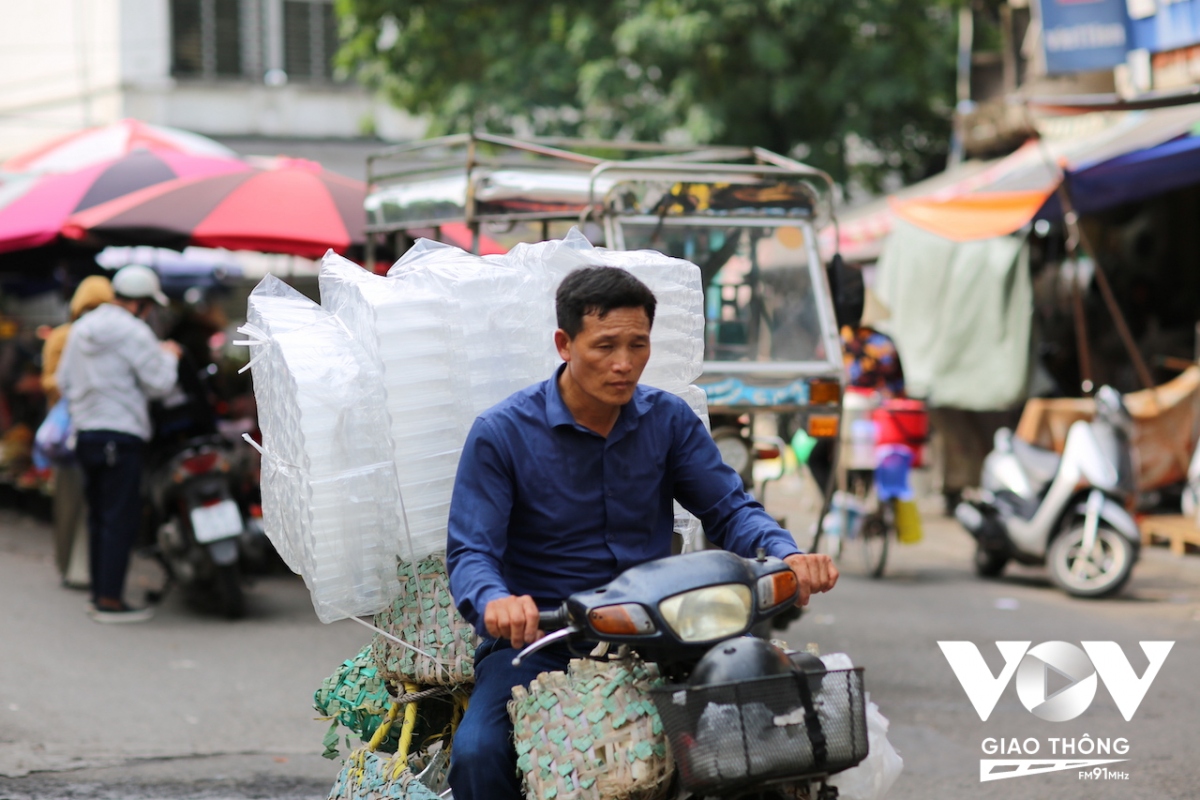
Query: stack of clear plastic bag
[(677, 338), (411, 337), (331, 499), (499, 311)]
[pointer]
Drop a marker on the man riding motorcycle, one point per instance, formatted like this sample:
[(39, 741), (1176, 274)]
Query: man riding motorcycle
[(566, 484)]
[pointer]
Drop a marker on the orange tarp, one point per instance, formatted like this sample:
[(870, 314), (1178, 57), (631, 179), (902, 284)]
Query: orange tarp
[(983, 215)]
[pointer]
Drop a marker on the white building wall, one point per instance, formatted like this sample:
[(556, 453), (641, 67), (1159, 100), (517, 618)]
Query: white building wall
[(290, 111), (69, 64), (59, 69), (145, 31)]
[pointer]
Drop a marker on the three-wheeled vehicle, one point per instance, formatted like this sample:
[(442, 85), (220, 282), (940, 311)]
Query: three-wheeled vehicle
[(747, 217)]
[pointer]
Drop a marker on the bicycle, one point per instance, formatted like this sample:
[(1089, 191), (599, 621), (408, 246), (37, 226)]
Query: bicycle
[(857, 517)]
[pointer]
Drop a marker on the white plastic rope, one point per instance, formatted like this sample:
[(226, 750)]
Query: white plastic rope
[(395, 639), (259, 338)]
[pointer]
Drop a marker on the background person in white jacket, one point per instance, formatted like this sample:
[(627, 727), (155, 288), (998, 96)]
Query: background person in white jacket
[(112, 366)]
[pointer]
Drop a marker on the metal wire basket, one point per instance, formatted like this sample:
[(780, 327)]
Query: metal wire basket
[(730, 737)]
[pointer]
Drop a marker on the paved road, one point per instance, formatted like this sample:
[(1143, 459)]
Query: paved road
[(892, 626), (185, 707), (181, 706)]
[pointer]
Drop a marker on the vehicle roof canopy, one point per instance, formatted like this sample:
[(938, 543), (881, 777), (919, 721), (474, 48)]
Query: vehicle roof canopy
[(474, 178)]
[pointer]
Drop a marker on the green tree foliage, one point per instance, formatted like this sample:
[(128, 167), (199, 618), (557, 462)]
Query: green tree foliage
[(853, 86)]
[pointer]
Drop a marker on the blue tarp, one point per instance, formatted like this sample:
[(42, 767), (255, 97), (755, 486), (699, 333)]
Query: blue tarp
[(1131, 177)]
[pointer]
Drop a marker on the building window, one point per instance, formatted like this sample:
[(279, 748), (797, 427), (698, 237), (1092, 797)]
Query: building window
[(213, 39), (310, 40), (206, 38)]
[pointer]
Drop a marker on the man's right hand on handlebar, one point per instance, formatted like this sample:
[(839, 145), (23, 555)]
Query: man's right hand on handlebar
[(513, 618)]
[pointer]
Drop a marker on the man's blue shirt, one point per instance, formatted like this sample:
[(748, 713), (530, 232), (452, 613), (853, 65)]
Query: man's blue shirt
[(545, 507)]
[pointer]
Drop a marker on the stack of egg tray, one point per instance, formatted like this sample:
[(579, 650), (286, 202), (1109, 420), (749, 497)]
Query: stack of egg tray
[(677, 336), (423, 615), (367, 775), (591, 733), (355, 696), (411, 338), (497, 308)]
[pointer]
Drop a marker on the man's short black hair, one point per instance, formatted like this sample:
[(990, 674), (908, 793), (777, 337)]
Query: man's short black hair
[(598, 290)]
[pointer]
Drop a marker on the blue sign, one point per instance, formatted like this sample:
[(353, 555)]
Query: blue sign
[(1083, 35), (1173, 25)]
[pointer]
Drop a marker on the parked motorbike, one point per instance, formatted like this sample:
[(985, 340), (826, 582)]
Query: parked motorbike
[(1069, 512), (198, 524), (202, 529)]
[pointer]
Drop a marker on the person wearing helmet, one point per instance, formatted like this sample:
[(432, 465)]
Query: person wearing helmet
[(112, 367)]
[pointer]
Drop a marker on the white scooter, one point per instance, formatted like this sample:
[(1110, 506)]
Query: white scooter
[(1067, 512)]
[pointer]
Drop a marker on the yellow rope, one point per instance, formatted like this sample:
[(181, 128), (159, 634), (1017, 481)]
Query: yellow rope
[(381, 732), (358, 767), (410, 724)]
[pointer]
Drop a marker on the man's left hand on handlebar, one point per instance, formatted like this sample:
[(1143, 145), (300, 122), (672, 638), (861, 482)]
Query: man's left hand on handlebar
[(816, 573)]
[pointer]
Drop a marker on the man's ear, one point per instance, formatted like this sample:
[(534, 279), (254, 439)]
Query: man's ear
[(562, 343)]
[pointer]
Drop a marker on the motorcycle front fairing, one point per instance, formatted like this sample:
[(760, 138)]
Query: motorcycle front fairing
[(676, 608)]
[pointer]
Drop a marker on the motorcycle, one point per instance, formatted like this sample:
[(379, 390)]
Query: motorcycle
[(1068, 512), (742, 717), (198, 525), (202, 529)]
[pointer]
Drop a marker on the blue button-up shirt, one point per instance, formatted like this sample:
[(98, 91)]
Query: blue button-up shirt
[(545, 507)]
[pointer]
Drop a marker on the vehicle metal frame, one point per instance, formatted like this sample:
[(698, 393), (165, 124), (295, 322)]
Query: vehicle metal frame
[(467, 162)]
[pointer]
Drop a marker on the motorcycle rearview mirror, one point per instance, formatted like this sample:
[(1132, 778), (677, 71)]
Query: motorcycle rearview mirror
[(847, 289)]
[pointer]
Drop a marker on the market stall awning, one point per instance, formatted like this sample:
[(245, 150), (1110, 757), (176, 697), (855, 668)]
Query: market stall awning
[(967, 218), (1108, 159), (1131, 177)]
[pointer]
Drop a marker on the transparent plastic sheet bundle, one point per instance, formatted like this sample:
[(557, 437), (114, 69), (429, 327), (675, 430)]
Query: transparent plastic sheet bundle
[(331, 498), (416, 342), (500, 311), (367, 399), (677, 338)]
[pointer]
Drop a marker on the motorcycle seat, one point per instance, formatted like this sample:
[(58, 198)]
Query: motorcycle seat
[(1040, 465)]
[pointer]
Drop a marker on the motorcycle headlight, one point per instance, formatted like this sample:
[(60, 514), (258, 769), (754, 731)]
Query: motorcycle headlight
[(714, 612)]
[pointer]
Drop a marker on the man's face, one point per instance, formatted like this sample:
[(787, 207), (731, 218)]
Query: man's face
[(606, 359)]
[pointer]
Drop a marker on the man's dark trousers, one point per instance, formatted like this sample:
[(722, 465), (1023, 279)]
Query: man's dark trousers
[(112, 469), (483, 763)]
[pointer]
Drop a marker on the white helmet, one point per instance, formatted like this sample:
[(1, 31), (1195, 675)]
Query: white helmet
[(135, 282)]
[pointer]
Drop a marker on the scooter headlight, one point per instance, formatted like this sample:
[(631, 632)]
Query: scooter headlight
[(714, 612)]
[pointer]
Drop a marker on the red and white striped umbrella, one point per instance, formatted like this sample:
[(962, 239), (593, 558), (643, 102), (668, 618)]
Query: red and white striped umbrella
[(94, 145)]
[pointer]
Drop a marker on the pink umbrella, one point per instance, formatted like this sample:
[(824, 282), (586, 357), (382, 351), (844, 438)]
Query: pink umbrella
[(33, 218), (94, 145), (295, 208)]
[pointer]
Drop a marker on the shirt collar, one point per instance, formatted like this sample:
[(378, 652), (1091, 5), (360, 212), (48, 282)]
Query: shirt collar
[(558, 414)]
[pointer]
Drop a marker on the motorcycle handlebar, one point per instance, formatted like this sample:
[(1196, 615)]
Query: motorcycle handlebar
[(549, 621), (556, 625)]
